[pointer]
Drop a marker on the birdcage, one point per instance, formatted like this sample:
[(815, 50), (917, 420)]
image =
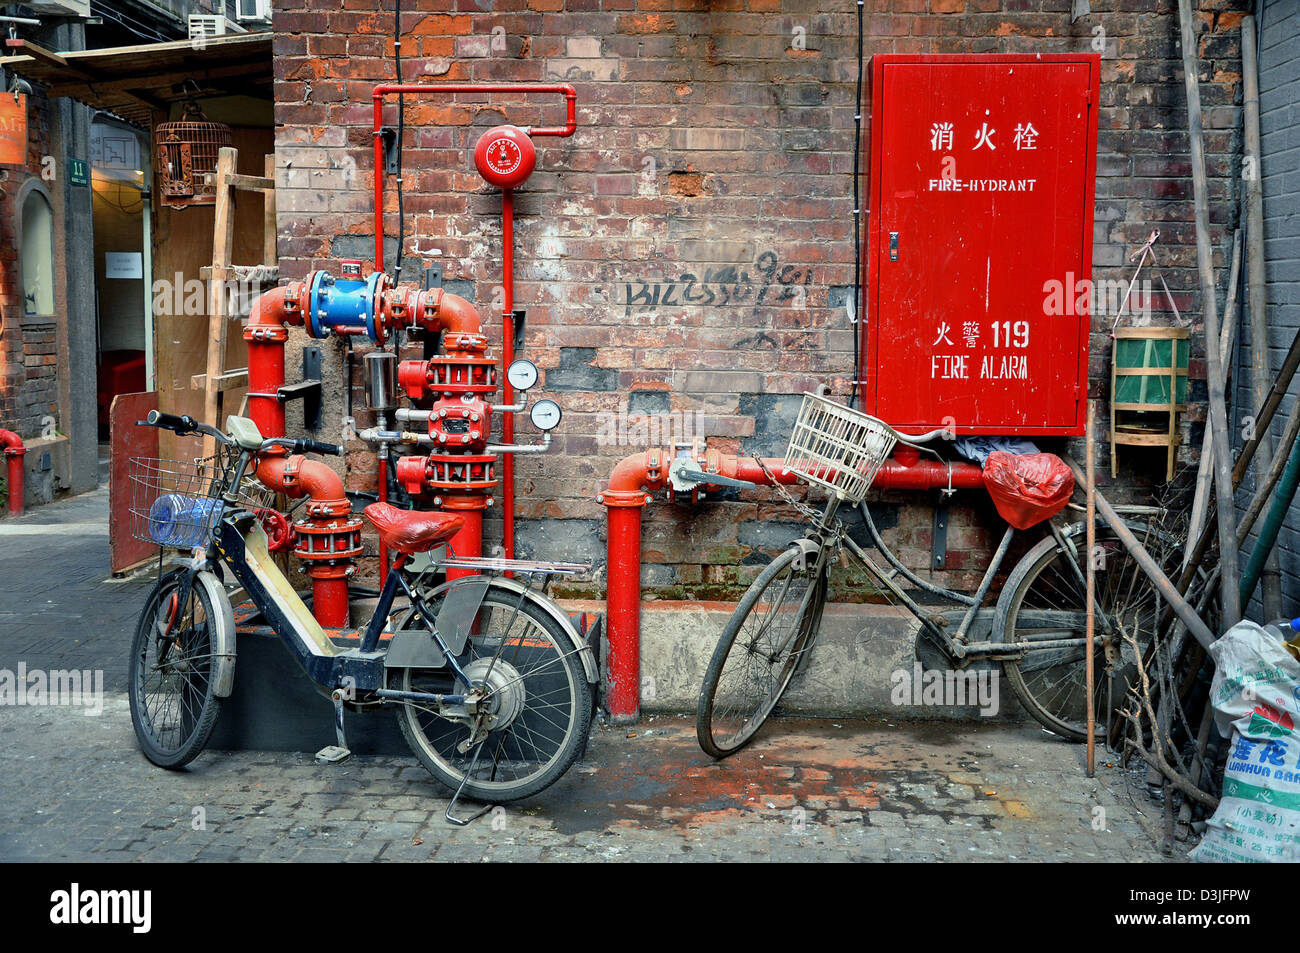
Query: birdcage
[(187, 152)]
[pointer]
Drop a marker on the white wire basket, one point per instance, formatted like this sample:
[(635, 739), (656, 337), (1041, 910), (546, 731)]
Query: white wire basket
[(838, 448)]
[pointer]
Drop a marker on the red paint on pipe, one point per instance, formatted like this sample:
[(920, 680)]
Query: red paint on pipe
[(266, 332), (623, 612), (383, 498), (508, 356), (627, 494), (14, 453), (447, 89), (468, 541), (329, 519)]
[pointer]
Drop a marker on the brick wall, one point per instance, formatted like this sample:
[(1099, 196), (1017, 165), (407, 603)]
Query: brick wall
[(714, 157), (1279, 81), (28, 345)]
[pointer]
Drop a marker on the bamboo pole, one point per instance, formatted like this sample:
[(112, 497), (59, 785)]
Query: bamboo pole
[(1228, 575), (1092, 587), (1257, 288), (1205, 468)]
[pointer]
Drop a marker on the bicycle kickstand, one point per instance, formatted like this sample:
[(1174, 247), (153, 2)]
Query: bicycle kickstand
[(336, 754), (465, 821)]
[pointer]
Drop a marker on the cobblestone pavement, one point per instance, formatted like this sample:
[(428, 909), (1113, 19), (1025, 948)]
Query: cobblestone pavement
[(75, 787)]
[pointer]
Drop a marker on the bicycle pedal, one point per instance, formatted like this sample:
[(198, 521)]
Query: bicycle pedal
[(332, 754)]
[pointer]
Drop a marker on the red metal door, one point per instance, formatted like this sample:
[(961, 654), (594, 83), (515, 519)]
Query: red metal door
[(981, 232)]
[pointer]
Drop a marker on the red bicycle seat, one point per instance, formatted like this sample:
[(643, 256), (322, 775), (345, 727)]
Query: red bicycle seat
[(412, 531)]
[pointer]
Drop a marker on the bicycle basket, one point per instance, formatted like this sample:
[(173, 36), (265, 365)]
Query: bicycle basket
[(175, 504), (838, 448)]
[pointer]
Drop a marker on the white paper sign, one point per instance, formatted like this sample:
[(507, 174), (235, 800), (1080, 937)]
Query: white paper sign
[(123, 264)]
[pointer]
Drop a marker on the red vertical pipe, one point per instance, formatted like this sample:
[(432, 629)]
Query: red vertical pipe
[(507, 356), (468, 540), (14, 453), (623, 612)]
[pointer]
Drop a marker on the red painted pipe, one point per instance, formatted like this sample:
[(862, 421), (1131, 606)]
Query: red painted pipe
[(627, 495), (507, 357), (328, 521), (266, 332), (14, 453), (447, 89)]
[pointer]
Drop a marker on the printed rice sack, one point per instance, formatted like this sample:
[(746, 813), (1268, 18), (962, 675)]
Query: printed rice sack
[(1256, 698)]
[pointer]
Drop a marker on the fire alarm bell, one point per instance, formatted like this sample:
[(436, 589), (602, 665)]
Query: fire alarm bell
[(505, 156)]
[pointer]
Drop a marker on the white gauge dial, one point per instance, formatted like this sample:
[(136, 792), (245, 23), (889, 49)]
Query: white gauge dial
[(522, 374), (545, 415)]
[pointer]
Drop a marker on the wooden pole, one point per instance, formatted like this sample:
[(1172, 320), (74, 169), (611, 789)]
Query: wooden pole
[(223, 238), (1092, 587), (1205, 468), (1227, 522), (1257, 289)]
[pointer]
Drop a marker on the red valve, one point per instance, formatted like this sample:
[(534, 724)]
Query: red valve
[(505, 156), (276, 526)]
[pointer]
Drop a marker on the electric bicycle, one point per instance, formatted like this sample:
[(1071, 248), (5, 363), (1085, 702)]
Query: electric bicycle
[(490, 682)]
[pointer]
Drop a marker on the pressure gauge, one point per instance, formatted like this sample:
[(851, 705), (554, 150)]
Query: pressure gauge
[(522, 374), (545, 415)]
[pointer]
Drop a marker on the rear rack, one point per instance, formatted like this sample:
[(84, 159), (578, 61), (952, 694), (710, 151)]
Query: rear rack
[(513, 565)]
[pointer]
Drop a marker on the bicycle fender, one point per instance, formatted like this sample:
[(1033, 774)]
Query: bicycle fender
[(547, 605), (223, 676), (806, 548)]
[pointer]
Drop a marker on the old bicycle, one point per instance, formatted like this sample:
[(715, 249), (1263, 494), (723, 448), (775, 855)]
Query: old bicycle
[(1037, 627), (490, 682)]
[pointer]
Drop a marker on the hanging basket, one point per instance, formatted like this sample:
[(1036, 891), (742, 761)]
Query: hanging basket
[(186, 153)]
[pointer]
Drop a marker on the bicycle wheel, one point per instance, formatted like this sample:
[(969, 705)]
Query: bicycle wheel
[(761, 647), (1045, 598), (540, 700), (171, 692)]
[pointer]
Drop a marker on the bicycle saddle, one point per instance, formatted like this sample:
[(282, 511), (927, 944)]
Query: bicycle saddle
[(412, 531)]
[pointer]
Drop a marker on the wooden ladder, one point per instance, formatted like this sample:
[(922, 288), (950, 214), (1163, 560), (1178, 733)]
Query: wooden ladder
[(218, 378)]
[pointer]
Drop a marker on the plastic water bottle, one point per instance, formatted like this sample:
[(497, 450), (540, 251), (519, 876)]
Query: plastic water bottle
[(182, 521), (1284, 630)]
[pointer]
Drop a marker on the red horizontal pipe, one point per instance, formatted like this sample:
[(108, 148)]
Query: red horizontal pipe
[(445, 89), (627, 494), (14, 453)]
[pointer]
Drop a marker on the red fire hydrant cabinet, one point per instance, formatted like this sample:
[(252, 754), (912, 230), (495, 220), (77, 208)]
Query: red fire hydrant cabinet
[(979, 245)]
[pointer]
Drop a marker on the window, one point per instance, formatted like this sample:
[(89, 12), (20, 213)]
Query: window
[(36, 252)]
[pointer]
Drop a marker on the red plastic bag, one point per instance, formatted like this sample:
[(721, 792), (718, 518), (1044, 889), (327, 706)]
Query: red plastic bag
[(1027, 488)]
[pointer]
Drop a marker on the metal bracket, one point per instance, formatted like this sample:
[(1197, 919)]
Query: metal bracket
[(431, 277), (308, 389), (521, 317), (939, 546), (388, 135)]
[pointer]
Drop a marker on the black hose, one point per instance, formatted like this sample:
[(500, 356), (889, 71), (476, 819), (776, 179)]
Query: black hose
[(857, 219)]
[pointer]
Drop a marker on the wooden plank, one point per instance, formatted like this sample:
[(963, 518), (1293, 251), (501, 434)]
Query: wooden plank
[(126, 440), (227, 380), (247, 183), (223, 238), (269, 230), (267, 274)]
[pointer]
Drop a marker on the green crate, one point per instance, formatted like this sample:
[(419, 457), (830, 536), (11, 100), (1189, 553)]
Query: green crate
[(1150, 348)]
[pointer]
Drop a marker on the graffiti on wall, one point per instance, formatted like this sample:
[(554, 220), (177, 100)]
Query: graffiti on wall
[(769, 283)]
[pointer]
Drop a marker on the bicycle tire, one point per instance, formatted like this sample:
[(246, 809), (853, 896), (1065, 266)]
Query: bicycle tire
[(546, 665), (174, 720), (791, 572), (1044, 598)]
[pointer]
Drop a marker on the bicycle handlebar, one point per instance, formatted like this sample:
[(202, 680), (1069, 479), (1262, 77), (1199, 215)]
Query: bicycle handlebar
[(183, 425), (304, 446)]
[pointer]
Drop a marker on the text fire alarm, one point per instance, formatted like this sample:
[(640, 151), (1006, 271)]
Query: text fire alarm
[(505, 156)]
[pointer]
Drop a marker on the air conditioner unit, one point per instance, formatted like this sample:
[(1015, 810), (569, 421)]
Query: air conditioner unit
[(203, 26), (253, 10)]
